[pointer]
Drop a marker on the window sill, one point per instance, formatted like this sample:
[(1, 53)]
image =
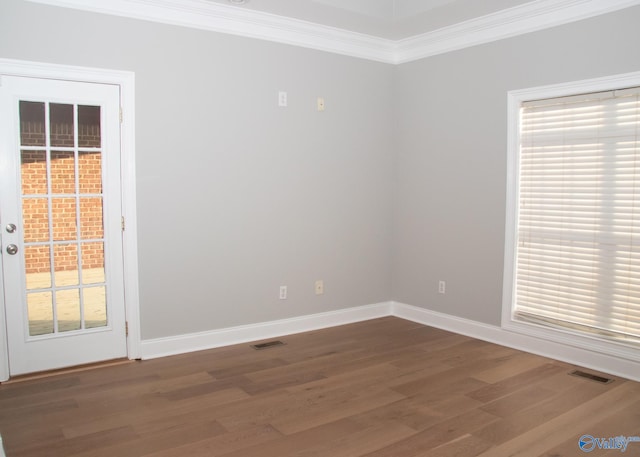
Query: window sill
[(574, 339)]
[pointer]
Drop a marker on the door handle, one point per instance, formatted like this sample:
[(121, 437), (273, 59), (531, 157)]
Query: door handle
[(11, 228), (12, 249)]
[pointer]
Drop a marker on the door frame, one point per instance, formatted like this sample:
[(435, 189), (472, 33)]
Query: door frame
[(126, 82)]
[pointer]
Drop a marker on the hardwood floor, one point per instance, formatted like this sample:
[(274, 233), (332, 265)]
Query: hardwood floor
[(386, 387)]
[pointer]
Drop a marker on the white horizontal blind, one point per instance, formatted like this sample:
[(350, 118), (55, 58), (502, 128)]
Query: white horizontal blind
[(578, 246)]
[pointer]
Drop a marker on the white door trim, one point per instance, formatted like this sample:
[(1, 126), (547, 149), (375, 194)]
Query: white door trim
[(126, 82)]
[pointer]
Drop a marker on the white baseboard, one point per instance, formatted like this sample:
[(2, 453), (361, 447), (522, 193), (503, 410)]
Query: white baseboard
[(181, 344), (605, 363)]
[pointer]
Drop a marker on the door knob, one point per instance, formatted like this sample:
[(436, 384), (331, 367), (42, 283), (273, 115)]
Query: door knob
[(11, 228), (12, 249)]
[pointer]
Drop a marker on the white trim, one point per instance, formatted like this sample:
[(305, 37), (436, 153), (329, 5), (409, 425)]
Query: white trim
[(129, 212), (574, 88), (180, 344), (199, 14), (588, 358), (126, 81), (243, 22), (4, 345), (529, 17)]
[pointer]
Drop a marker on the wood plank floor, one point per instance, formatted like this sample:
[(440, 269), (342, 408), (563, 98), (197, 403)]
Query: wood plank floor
[(386, 387)]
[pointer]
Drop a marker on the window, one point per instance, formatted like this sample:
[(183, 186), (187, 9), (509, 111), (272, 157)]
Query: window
[(573, 219)]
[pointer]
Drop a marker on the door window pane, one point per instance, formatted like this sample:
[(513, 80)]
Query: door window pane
[(91, 218), (95, 307), (34, 172), (64, 219), (89, 126), (32, 124), (40, 311), (61, 125), (37, 265), (93, 263), (65, 261), (90, 171), (63, 172), (68, 308), (35, 219)]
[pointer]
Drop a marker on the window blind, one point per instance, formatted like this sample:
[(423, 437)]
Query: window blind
[(578, 236)]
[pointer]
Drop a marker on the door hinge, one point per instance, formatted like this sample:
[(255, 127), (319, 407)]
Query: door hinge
[(126, 328), (122, 222), (121, 114)]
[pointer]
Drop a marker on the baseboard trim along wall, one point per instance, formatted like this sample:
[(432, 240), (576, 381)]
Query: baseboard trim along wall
[(565, 353), (180, 344)]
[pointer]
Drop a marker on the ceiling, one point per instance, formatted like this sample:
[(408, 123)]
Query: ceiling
[(389, 19)]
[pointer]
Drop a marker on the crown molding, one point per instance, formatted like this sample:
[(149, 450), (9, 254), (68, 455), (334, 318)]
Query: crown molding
[(530, 17), (205, 15)]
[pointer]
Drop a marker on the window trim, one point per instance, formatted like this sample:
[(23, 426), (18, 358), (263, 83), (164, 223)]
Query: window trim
[(515, 98)]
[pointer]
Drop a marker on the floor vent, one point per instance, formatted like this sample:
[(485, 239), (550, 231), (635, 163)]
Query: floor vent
[(267, 345), (591, 377)]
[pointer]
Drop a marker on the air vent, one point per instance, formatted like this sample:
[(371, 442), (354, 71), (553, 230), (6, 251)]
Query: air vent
[(591, 377), (267, 345)]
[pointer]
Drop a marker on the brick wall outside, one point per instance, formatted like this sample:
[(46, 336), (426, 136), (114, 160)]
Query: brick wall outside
[(63, 208)]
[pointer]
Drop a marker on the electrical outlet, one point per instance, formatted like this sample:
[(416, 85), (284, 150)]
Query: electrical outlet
[(442, 287), (282, 98), (283, 292), (319, 287)]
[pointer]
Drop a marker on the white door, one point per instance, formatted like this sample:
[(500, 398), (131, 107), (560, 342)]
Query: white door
[(60, 223)]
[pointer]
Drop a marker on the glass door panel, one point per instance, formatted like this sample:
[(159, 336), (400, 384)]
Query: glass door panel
[(40, 312), (62, 209)]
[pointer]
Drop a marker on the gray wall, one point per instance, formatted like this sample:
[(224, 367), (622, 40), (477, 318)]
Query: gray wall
[(398, 184), (235, 195), (451, 136)]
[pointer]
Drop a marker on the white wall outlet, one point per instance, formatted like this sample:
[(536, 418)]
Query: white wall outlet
[(320, 104), (282, 98), (319, 287), (442, 287), (283, 292)]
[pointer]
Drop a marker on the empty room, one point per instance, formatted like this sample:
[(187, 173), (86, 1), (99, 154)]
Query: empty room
[(319, 228)]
